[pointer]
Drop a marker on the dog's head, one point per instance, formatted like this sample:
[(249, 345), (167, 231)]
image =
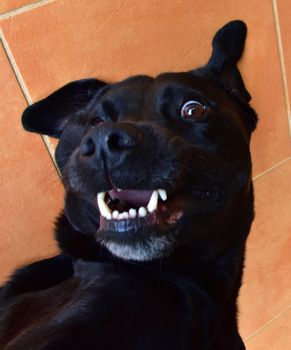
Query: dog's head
[(151, 165)]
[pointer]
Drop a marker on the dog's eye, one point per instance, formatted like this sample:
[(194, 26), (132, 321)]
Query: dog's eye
[(192, 110)]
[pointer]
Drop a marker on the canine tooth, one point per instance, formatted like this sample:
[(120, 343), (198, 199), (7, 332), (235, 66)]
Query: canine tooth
[(132, 213), (115, 214), (163, 194), (119, 190), (142, 212), (153, 203), (104, 210)]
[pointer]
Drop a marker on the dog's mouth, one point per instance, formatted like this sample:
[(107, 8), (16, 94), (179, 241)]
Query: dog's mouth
[(129, 204), (143, 225), (121, 210)]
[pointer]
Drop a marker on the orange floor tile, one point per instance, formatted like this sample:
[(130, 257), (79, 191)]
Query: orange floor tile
[(52, 42), (26, 174), (275, 336), (267, 283)]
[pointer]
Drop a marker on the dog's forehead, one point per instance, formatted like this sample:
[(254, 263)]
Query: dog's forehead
[(184, 83), (137, 90), (129, 89)]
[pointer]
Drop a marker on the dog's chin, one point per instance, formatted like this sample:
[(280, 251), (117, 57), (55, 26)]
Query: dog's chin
[(146, 250)]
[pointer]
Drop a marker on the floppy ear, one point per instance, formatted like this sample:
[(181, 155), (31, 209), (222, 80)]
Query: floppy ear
[(228, 45), (50, 115)]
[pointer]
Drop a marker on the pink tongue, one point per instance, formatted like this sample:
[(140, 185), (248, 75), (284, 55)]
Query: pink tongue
[(137, 198)]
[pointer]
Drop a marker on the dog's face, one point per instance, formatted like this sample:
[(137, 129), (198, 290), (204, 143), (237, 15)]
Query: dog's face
[(154, 164)]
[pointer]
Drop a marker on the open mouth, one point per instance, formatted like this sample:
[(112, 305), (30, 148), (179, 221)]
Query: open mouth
[(122, 209), (141, 224), (129, 204), (126, 210), (133, 223)]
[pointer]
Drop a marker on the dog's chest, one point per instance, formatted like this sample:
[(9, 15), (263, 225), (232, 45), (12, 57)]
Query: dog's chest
[(100, 306)]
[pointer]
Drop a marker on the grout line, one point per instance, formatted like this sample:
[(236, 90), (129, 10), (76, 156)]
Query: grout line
[(26, 94), (286, 311), (282, 63), (15, 69), (24, 8), (278, 165)]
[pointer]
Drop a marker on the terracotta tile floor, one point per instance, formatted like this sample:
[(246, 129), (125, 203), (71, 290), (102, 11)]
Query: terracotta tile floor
[(47, 43)]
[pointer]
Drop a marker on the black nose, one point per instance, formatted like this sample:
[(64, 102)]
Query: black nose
[(110, 140)]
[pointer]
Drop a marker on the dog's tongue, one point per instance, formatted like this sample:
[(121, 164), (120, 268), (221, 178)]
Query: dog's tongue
[(137, 198)]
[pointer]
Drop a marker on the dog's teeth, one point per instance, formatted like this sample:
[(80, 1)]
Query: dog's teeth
[(120, 216), (119, 190), (132, 213), (163, 194), (125, 215), (103, 208), (142, 212), (153, 203), (115, 214)]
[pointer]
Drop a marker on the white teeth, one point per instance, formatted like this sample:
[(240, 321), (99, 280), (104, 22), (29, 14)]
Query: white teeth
[(132, 213), (115, 214), (120, 216), (163, 194), (142, 212), (153, 203), (105, 211), (125, 215)]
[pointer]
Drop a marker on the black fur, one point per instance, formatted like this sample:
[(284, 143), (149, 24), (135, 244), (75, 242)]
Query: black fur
[(177, 287)]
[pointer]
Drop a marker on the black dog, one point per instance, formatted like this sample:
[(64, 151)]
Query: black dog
[(159, 203)]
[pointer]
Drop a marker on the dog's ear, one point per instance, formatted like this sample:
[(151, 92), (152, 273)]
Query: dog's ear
[(51, 115), (228, 45)]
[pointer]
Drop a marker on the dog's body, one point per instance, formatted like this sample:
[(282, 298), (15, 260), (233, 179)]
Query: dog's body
[(158, 264)]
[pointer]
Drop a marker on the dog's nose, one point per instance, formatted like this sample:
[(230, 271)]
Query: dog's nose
[(110, 140)]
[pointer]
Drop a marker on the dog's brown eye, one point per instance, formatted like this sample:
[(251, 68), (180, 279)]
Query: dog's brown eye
[(192, 110)]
